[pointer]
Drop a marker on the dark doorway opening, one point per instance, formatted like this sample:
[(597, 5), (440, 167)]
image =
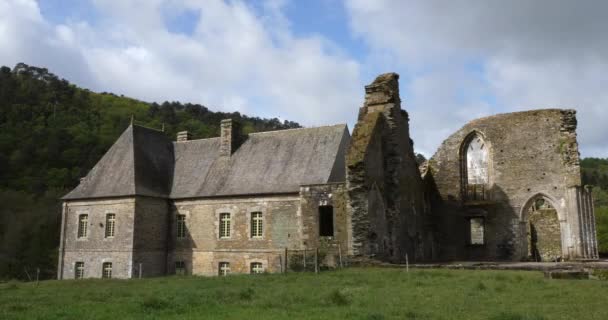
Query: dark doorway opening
[(326, 221)]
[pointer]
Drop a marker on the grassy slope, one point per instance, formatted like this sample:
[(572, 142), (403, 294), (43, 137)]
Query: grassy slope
[(348, 294)]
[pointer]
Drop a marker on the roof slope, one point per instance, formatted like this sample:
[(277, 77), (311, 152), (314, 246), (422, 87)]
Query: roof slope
[(144, 162), (267, 162), (139, 163)]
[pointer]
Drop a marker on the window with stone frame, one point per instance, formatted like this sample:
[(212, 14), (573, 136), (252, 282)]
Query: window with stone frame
[(223, 268), (83, 224), (180, 268), (257, 225), (477, 231), (256, 268), (79, 270), (106, 270), (181, 226), (225, 225), (326, 221), (110, 225)]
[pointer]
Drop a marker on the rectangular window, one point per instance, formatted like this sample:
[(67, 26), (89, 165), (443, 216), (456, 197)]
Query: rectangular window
[(224, 268), (477, 231), (110, 224), (224, 225), (180, 268), (256, 225), (83, 223), (79, 270), (256, 268), (326, 221), (106, 271), (181, 226)]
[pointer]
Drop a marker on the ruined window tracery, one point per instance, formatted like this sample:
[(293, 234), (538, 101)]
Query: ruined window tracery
[(477, 161)]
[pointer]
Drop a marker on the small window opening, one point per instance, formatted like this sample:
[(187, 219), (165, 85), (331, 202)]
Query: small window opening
[(224, 268), (257, 268), (477, 231), (79, 270), (180, 268), (110, 224), (181, 226), (326, 221), (107, 270), (83, 223), (224, 225), (256, 225)]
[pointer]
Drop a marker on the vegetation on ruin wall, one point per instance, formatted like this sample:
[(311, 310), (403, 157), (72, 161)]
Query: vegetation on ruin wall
[(373, 294), (51, 134)]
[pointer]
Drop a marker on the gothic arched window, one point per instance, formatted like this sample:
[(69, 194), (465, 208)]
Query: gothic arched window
[(477, 161), (475, 167)]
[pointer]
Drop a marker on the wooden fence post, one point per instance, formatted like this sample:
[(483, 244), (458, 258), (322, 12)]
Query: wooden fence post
[(285, 260), (317, 261)]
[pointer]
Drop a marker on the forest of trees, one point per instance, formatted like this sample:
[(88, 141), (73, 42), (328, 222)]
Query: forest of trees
[(52, 133)]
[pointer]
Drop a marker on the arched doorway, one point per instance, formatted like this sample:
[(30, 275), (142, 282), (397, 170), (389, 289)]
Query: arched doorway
[(543, 230)]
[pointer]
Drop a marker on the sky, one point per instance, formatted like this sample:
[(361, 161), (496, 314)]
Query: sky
[(308, 61)]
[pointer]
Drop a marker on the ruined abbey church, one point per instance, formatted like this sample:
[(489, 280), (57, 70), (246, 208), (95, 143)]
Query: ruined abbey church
[(502, 188)]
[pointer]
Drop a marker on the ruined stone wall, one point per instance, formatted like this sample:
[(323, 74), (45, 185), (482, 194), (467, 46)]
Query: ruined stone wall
[(533, 153), (313, 196), (202, 249), (385, 190), (95, 248)]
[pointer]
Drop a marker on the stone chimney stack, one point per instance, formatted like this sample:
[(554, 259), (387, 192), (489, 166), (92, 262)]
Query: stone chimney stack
[(183, 136), (231, 137)]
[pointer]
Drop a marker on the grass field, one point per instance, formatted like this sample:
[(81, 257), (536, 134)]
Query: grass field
[(349, 294)]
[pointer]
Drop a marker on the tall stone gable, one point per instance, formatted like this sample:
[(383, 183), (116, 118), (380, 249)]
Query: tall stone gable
[(385, 191)]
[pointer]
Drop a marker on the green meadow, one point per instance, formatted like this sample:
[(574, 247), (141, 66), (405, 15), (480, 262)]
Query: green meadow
[(356, 293)]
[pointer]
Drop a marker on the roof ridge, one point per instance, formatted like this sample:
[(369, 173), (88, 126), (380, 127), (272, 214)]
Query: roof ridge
[(132, 127), (194, 140), (303, 128), (148, 128)]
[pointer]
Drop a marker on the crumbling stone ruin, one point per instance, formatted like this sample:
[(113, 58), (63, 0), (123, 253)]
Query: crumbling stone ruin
[(506, 187)]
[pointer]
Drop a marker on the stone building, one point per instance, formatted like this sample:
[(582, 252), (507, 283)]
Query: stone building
[(502, 188)]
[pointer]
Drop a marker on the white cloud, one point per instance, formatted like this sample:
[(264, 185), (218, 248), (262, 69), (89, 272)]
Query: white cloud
[(238, 57), (504, 55)]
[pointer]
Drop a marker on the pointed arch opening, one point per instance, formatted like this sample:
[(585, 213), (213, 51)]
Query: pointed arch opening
[(475, 167), (543, 229)]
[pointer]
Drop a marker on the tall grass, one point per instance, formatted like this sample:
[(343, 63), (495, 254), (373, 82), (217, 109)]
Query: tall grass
[(377, 294)]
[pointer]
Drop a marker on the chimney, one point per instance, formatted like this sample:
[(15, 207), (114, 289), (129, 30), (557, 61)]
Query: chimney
[(231, 137), (383, 92), (183, 136)]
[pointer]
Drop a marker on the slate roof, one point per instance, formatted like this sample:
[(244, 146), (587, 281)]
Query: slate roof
[(144, 162), (139, 163)]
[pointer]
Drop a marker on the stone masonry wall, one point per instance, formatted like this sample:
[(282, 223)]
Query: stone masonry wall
[(202, 250), (95, 249), (150, 236), (531, 154), (385, 190), (313, 196)]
